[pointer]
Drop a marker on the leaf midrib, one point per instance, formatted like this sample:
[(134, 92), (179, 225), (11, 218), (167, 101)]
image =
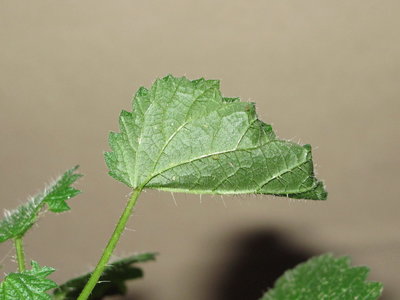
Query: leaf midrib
[(305, 160), (135, 174), (135, 177)]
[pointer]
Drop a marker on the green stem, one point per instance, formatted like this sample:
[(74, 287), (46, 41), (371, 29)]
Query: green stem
[(19, 247), (112, 243)]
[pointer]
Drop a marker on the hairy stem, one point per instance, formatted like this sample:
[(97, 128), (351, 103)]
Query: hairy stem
[(112, 243), (19, 248)]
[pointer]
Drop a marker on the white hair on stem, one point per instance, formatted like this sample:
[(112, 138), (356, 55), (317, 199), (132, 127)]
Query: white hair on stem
[(173, 197)]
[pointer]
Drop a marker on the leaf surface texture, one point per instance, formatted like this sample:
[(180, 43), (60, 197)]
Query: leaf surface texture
[(28, 285), (184, 136), (325, 278)]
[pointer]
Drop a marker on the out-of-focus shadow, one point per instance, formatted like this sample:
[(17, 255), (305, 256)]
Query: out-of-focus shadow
[(255, 260), (130, 296), (250, 262)]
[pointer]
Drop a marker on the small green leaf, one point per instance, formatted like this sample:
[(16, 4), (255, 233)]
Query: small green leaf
[(27, 285), (112, 282), (183, 136), (17, 222), (325, 278), (61, 190)]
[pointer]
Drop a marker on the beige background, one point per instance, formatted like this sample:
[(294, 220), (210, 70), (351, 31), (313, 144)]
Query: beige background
[(322, 72)]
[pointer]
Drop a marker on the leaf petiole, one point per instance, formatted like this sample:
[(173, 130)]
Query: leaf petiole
[(19, 248), (112, 243)]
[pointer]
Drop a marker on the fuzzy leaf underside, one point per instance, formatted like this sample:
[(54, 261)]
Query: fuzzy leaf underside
[(28, 285), (325, 278), (112, 282), (18, 221), (184, 136)]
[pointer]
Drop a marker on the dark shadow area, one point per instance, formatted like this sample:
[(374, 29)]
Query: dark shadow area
[(130, 296), (255, 260), (248, 264)]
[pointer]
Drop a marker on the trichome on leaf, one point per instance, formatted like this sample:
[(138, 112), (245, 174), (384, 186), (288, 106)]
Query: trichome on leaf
[(18, 221)]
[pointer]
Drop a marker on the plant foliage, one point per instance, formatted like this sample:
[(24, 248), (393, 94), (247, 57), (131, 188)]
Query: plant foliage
[(325, 278), (17, 222), (184, 136), (112, 282), (28, 285)]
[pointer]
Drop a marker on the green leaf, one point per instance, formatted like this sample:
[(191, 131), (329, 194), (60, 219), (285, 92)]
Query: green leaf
[(28, 285), (17, 222), (112, 282), (183, 136), (325, 277), (61, 190)]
